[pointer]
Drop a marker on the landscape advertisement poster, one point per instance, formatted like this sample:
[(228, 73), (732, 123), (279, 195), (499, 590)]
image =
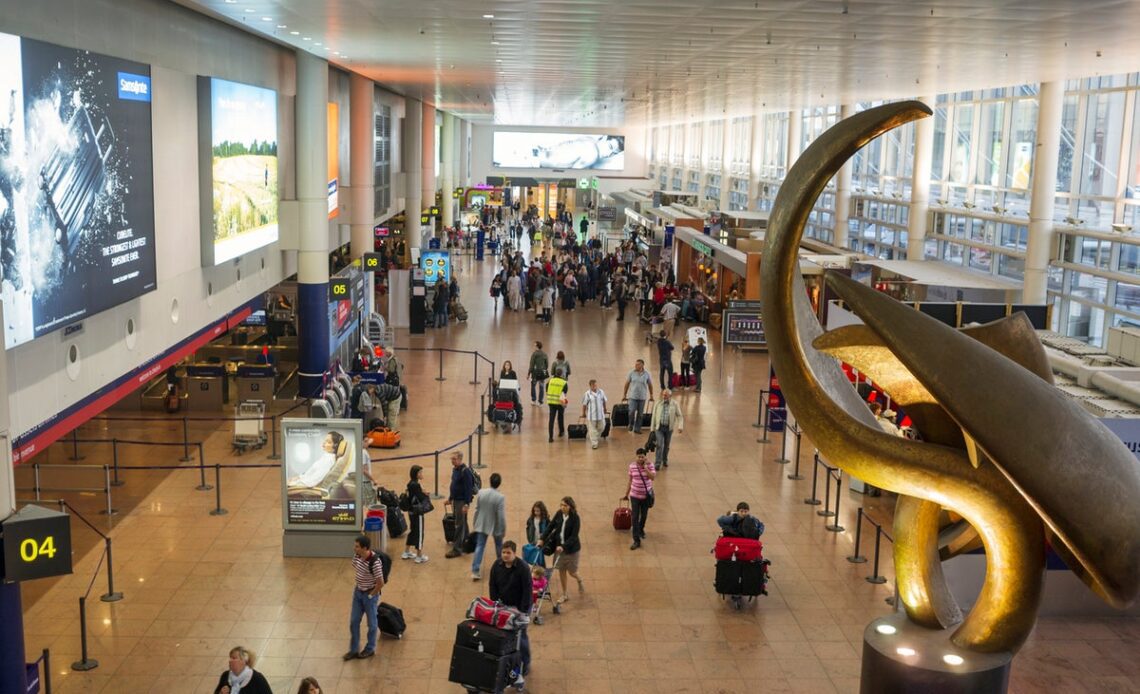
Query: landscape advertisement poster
[(239, 139), (76, 185), (549, 150)]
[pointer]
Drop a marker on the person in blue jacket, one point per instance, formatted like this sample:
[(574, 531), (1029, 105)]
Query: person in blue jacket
[(459, 497), (741, 523)]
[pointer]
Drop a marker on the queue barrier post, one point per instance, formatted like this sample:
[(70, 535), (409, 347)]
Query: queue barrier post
[(875, 577), (273, 436), (783, 459), (85, 663), (75, 445), (36, 476), (482, 413), (110, 595), (202, 486), (764, 413), (857, 558), (116, 482), (436, 494), (107, 484), (479, 451), (813, 500), (835, 527), (218, 510), (475, 377), (826, 512), (47, 670), (440, 376), (185, 442), (760, 413), (796, 472)]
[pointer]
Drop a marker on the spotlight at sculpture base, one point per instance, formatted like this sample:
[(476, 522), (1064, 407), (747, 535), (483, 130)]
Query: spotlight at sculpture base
[(900, 656)]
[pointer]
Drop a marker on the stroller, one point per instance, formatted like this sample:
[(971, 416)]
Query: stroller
[(533, 555), (506, 410)]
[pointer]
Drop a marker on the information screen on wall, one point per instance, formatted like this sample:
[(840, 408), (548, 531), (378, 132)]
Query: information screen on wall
[(237, 154), (436, 266), (542, 150), (744, 328), (76, 185), (321, 473)]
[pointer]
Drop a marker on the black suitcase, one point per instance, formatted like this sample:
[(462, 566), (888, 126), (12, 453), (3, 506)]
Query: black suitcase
[(742, 577), (606, 430), (646, 419), (727, 580), (620, 415), (397, 522), (483, 672), (576, 431), (469, 543), (482, 637), (449, 527), (391, 620)]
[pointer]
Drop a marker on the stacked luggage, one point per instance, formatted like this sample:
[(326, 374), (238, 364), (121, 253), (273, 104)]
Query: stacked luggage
[(741, 569), (487, 657), (506, 410)]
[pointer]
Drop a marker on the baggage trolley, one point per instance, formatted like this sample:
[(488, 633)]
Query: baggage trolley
[(249, 427)]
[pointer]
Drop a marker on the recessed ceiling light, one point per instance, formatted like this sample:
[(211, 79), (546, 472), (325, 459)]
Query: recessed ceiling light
[(267, 19), (951, 659), (231, 2), (488, 16), (317, 43), (295, 33), (306, 38), (498, 60), (494, 43), (249, 9), (905, 652)]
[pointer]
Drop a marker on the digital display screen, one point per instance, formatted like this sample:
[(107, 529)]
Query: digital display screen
[(238, 168), (321, 473), (436, 266), (76, 185), (540, 150)]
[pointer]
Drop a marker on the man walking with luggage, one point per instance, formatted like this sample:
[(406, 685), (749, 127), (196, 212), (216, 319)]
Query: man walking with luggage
[(594, 410), (490, 520), (459, 497), (667, 418), (369, 574), (665, 354), (509, 584), (638, 390)]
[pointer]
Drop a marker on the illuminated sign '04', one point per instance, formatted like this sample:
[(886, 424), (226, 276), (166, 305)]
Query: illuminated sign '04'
[(36, 544)]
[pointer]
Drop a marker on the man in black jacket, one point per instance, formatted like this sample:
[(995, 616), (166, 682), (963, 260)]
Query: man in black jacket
[(510, 584)]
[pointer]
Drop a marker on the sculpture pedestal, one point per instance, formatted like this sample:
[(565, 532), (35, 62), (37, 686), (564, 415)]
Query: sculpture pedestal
[(899, 656)]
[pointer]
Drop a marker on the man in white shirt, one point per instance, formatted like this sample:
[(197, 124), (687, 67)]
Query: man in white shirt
[(669, 313), (594, 410)]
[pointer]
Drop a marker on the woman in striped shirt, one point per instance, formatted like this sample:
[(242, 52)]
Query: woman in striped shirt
[(640, 494)]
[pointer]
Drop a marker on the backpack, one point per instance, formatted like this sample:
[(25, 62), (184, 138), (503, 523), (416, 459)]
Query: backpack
[(748, 528), (476, 481), (385, 564)]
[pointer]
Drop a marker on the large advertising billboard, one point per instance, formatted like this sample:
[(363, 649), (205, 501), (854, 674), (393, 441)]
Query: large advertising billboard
[(237, 168), (436, 266), (76, 185), (542, 150), (321, 473)]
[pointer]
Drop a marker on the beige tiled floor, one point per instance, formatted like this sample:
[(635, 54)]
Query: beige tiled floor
[(197, 584)]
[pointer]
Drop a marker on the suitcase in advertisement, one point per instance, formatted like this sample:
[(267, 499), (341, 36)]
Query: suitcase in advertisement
[(483, 637), (390, 619), (449, 527), (576, 431), (623, 517), (483, 672), (738, 548), (620, 415)]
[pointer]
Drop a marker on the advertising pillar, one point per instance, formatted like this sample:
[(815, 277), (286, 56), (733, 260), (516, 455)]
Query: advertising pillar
[(361, 154), (322, 501), (413, 157), (1051, 99), (447, 169), (12, 678), (920, 185), (312, 198), (843, 190)]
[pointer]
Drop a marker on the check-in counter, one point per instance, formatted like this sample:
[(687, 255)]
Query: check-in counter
[(206, 387), (256, 382)]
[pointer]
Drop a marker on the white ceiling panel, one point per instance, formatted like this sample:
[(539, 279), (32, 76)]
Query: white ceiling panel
[(611, 63)]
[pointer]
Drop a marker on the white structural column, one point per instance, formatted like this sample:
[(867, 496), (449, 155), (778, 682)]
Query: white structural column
[(464, 154), (726, 164), (313, 234), (795, 135), (412, 158), (362, 151), (1051, 99), (920, 185), (843, 189), (427, 160), (447, 169)]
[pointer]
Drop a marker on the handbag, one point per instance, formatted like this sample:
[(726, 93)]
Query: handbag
[(421, 505), (650, 497)]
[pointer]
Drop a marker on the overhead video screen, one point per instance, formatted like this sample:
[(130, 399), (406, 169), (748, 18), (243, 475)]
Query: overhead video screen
[(528, 150), (76, 185), (238, 168)]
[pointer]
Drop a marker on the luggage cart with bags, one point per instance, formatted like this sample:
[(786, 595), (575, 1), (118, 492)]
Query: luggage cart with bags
[(249, 426), (741, 570)]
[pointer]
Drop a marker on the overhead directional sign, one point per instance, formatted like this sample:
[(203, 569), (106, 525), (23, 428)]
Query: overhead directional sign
[(371, 262), (339, 289)]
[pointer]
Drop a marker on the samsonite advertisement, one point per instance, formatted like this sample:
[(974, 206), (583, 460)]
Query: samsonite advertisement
[(76, 188)]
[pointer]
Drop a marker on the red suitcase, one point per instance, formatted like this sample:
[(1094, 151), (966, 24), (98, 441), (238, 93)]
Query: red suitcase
[(738, 549), (623, 517)]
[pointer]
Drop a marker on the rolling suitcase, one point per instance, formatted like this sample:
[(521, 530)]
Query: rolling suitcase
[(738, 548), (620, 415), (606, 430), (397, 522), (390, 619), (623, 517), (449, 527), (483, 672), (487, 639), (576, 431), (469, 543), (646, 419)]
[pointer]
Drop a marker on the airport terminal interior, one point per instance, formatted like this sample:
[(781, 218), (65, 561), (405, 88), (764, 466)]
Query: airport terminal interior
[(215, 212)]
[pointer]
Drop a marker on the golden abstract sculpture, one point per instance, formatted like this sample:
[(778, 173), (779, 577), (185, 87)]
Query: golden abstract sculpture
[(1002, 448)]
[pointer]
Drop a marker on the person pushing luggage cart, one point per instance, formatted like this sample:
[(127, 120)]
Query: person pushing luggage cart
[(741, 569)]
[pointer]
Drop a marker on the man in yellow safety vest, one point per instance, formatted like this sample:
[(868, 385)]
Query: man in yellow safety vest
[(556, 389)]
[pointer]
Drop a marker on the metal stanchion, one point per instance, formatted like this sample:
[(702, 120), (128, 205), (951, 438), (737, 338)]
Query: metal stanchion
[(857, 558), (826, 512), (75, 445), (110, 595), (835, 527), (760, 412), (470, 444), (218, 510), (47, 671), (482, 413), (475, 378), (796, 473), (814, 500), (783, 459), (36, 473), (109, 511), (202, 486), (86, 663), (875, 577), (273, 435), (436, 494), (764, 411), (116, 482), (440, 376), (185, 442), (479, 451)]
